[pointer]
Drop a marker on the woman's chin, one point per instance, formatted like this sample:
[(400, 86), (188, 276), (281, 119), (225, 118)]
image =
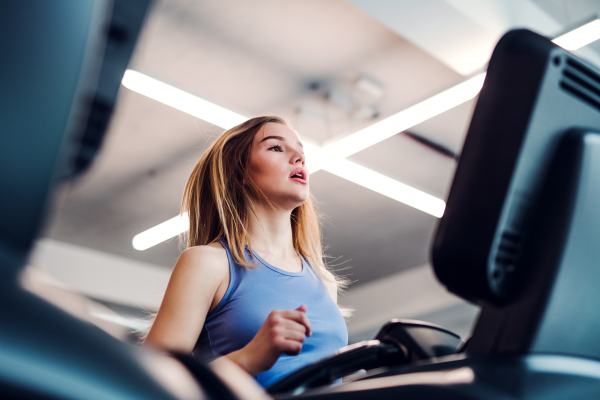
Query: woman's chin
[(290, 204), (288, 200), (302, 199)]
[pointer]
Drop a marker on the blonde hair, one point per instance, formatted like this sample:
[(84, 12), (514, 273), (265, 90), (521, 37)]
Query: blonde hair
[(219, 195)]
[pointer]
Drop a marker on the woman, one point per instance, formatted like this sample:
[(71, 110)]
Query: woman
[(252, 285)]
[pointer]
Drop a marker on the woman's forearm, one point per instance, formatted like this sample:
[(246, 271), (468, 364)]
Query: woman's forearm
[(244, 360)]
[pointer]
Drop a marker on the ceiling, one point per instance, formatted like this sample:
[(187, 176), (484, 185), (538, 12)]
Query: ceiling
[(302, 60)]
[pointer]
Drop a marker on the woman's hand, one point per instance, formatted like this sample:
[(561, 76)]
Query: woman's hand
[(283, 332)]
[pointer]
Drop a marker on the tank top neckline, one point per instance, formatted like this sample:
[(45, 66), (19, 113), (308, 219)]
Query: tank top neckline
[(305, 264), (281, 271)]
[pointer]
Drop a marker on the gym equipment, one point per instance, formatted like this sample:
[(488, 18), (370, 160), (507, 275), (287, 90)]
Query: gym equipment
[(399, 342), (62, 64)]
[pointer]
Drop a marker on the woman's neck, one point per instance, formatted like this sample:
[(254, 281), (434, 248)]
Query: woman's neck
[(273, 233)]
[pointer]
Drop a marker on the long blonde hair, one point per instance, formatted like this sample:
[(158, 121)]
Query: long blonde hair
[(219, 195)]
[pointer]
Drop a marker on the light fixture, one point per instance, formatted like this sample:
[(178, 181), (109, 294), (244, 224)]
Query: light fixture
[(161, 232), (579, 37), (317, 159), (387, 186), (407, 118), (183, 101)]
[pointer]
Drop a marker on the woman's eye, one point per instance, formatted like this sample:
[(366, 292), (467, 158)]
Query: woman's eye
[(276, 148)]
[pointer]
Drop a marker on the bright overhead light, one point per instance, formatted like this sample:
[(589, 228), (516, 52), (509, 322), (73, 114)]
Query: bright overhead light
[(161, 232), (183, 101), (315, 157), (387, 186), (406, 119), (579, 37)]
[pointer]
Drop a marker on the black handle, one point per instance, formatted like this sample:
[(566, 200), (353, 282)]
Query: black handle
[(363, 355)]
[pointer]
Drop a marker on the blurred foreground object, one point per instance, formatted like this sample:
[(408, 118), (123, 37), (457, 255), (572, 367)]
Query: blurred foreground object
[(61, 67), (43, 285)]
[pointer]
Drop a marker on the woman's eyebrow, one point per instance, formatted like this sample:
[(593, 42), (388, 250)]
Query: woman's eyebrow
[(277, 138), (272, 137)]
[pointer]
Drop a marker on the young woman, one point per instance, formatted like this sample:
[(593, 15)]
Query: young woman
[(252, 285)]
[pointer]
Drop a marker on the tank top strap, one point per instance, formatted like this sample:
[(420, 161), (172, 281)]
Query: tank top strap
[(233, 278)]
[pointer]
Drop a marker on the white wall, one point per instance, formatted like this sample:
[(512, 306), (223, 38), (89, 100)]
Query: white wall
[(101, 275)]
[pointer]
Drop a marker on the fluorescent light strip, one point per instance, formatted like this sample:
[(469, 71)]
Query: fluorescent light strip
[(387, 186), (181, 100), (442, 102), (407, 118), (161, 232), (579, 37), (375, 181)]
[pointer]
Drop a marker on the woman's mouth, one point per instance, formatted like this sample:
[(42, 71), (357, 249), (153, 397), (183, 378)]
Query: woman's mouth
[(299, 175)]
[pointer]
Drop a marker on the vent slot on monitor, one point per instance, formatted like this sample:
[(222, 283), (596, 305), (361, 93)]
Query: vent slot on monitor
[(508, 250), (581, 82)]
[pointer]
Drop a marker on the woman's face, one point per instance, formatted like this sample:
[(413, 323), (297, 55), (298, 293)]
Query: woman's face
[(277, 165)]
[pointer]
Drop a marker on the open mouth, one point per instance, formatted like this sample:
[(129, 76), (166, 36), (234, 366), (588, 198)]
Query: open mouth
[(298, 174)]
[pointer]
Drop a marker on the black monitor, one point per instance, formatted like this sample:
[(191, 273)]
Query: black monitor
[(534, 93)]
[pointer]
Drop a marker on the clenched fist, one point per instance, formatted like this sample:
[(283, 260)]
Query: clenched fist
[(283, 332)]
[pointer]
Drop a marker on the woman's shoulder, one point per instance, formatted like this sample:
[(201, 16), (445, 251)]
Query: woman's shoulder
[(209, 250), (201, 259)]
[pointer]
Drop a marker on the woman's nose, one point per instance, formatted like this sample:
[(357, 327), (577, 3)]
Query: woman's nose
[(299, 158)]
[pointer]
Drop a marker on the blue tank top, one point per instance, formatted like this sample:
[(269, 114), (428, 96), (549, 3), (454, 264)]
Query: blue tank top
[(252, 294)]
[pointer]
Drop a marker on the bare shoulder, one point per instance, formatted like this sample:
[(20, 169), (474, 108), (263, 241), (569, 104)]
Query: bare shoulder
[(196, 284), (210, 252), (200, 260)]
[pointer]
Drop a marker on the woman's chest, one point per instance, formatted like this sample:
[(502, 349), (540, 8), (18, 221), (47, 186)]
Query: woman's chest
[(254, 299)]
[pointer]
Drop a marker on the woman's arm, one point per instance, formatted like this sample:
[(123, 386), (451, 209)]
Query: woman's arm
[(198, 283), (200, 275), (282, 332)]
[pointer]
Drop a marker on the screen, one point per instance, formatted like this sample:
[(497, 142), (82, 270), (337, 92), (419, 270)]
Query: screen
[(534, 92)]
